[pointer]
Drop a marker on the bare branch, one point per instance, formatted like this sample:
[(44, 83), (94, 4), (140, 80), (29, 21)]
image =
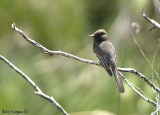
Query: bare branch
[(47, 51), (156, 24), (156, 111), (131, 70), (146, 58), (145, 98), (38, 90)]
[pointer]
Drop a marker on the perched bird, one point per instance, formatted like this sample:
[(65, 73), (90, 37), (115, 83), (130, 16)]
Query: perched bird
[(105, 52)]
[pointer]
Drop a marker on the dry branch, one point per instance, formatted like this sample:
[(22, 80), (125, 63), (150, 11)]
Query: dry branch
[(140, 94), (155, 24), (47, 51), (38, 90)]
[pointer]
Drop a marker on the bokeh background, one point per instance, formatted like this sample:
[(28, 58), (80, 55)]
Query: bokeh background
[(80, 88)]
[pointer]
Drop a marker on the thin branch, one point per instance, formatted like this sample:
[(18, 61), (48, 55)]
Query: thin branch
[(145, 57), (156, 24), (156, 111), (38, 90), (145, 98), (152, 28), (153, 61), (131, 70), (47, 51)]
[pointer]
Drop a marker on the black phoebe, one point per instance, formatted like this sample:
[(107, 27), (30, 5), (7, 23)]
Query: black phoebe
[(105, 52)]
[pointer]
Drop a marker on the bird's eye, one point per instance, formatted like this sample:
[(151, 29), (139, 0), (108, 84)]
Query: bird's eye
[(102, 34)]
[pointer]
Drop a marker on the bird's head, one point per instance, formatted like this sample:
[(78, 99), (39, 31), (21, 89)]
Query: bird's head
[(99, 35)]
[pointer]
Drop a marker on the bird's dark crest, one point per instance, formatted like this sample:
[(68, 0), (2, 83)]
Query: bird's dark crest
[(100, 32)]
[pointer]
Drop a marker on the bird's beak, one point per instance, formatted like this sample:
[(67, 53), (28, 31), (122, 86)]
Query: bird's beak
[(92, 35)]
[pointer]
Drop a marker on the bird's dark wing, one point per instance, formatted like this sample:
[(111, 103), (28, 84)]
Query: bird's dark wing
[(103, 61), (105, 64)]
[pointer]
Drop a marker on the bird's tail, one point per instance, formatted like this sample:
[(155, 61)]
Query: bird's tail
[(118, 80)]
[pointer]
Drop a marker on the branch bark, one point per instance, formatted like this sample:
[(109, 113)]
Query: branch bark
[(49, 52), (140, 94), (38, 90), (155, 24)]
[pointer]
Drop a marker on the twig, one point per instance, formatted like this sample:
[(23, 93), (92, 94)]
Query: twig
[(47, 51), (145, 98), (131, 70), (38, 90), (157, 110), (156, 24), (146, 58)]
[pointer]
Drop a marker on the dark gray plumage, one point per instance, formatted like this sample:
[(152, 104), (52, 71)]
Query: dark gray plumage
[(105, 52)]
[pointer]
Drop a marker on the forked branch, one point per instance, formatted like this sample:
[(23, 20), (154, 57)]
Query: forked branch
[(38, 90), (47, 51)]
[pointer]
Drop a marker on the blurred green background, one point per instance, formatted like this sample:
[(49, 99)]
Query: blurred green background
[(64, 25)]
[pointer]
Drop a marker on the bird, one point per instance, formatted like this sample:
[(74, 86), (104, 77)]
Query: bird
[(105, 52)]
